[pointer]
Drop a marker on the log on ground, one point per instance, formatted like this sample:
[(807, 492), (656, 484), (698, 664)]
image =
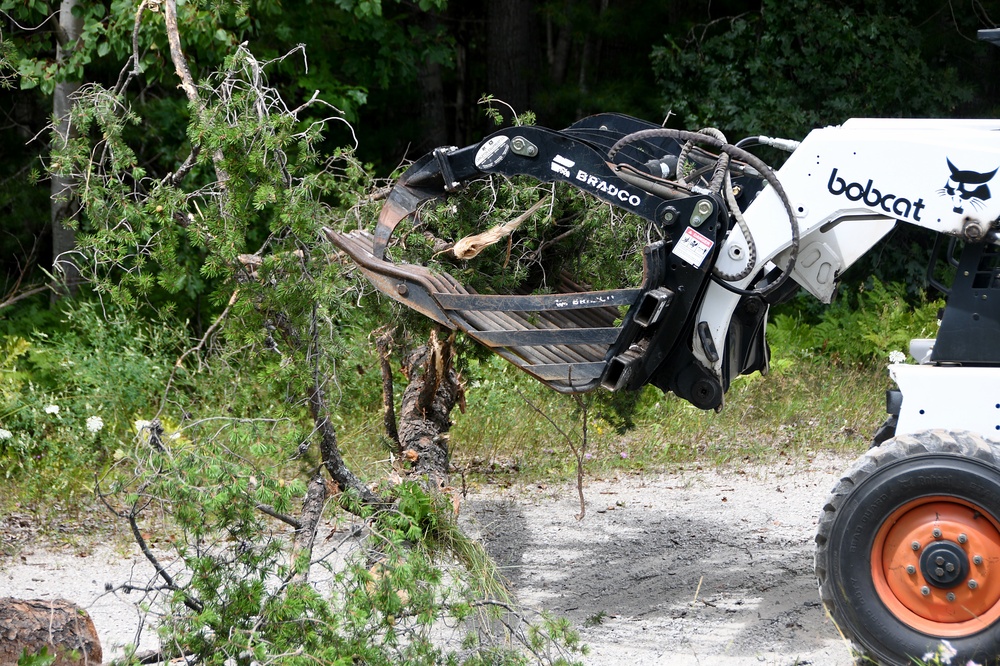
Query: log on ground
[(61, 627)]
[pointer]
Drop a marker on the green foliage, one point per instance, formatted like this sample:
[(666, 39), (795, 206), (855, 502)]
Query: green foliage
[(799, 64), (859, 328), (241, 590), (210, 29), (240, 411), (571, 234), (43, 658), (97, 365)]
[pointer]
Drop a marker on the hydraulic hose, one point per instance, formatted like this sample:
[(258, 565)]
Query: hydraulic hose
[(743, 156)]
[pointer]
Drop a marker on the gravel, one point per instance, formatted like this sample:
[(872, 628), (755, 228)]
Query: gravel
[(697, 566)]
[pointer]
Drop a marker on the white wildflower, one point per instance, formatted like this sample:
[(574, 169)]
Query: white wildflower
[(896, 356), (52, 409), (95, 423), (5, 434), (943, 655), (947, 651)]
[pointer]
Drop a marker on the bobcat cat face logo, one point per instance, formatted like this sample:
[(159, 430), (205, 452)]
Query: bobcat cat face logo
[(967, 187)]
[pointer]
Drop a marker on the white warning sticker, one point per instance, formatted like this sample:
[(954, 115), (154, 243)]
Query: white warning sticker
[(693, 247)]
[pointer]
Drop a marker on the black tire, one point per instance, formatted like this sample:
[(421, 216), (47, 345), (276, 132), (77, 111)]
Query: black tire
[(961, 472)]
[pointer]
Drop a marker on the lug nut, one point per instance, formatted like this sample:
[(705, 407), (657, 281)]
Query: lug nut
[(962, 538), (936, 533), (973, 584), (910, 569), (939, 560), (951, 596), (915, 545), (925, 590), (950, 568), (939, 572), (978, 559)]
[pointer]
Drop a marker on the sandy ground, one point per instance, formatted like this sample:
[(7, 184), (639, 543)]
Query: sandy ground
[(698, 566)]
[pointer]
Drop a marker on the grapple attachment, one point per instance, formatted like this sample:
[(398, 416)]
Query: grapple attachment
[(578, 339)]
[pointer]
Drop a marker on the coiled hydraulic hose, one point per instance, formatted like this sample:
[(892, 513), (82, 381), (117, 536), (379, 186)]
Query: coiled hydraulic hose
[(743, 156), (722, 181)]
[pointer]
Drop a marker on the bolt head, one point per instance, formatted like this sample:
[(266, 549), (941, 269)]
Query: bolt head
[(951, 596), (704, 207), (910, 569), (939, 572), (939, 560), (978, 559), (936, 533), (950, 568), (925, 590), (973, 584), (915, 545), (962, 538)]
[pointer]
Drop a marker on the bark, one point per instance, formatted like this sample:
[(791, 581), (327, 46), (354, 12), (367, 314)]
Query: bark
[(434, 390), (329, 449), (432, 108), (62, 186), (559, 46), (58, 625), (509, 49), (383, 343), (312, 512)]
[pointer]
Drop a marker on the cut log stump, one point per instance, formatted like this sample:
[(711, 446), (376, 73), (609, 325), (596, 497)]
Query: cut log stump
[(59, 625)]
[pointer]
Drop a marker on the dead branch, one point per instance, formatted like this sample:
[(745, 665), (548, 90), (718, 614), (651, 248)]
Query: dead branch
[(319, 410), (578, 452), (10, 299), (161, 571), (270, 511), (187, 81), (470, 246), (312, 512)]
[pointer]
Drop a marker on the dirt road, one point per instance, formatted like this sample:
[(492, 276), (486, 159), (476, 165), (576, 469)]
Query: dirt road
[(695, 567)]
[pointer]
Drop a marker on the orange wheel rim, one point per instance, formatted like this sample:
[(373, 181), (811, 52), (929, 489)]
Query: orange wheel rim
[(936, 566)]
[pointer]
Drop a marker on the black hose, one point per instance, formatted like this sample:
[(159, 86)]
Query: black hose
[(743, 156)]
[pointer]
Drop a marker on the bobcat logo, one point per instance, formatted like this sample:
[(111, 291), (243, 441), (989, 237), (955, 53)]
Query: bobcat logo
[(960, 187)]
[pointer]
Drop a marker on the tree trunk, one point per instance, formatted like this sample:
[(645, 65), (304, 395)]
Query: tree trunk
[(560, 38), (509, 49), (434, 390), (60, 626), (64, 238), (432, 112)]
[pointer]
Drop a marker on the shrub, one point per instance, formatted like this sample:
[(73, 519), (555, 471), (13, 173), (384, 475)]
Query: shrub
[(861, 330)]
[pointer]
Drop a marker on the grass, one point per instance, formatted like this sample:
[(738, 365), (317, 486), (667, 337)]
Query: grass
[(798, 409)]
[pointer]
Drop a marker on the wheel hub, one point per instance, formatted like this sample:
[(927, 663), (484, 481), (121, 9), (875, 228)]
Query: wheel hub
[(934, 566), (944, 564)]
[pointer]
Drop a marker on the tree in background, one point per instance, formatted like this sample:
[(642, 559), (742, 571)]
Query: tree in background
[(408, 76), (792, 66)]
